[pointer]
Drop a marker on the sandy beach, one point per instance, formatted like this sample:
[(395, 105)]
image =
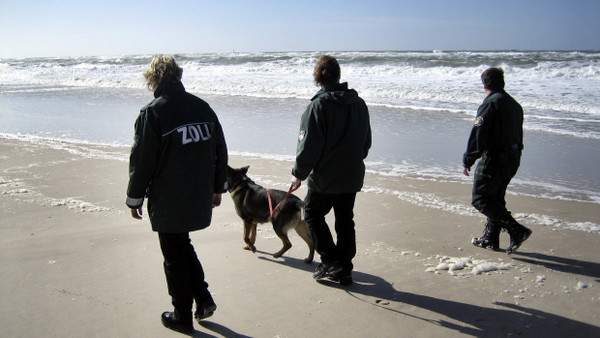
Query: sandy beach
[(75, 264)]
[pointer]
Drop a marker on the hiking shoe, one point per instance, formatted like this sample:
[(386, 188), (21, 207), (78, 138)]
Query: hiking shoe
[(171, 321), (344, 277), (517, 237), (205, 309), (324, 269)]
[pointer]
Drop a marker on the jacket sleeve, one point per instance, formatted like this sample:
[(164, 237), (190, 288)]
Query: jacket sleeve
[(220, 184), (478, 139), (143, 158), (311, 141)]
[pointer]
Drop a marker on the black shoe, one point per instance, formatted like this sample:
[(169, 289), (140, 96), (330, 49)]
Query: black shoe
[(490, 238), (344, 277), (324, 269), (171, 321), (205, 309), (517, 237)]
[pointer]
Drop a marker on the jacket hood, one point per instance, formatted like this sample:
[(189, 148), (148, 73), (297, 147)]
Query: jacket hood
[(338, 93)]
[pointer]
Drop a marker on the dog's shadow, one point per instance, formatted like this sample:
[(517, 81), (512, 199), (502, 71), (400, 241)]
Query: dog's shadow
[(288, 261)]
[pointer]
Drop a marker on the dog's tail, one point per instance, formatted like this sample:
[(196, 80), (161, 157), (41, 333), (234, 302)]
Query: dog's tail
[(301, 206)]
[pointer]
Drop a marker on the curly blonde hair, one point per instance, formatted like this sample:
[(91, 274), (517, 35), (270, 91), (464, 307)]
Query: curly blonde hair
[(163, 68)]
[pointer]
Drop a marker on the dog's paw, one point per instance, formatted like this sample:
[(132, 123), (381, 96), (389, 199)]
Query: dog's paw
[(308, 260), (250, 247)]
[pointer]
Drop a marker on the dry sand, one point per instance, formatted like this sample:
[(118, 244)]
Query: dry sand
[(75, 264)]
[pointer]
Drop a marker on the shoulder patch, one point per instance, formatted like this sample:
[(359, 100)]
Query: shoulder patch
[(301, 135), (478, 121)]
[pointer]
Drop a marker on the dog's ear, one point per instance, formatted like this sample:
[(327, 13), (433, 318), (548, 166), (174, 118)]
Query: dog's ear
[(245, 169)]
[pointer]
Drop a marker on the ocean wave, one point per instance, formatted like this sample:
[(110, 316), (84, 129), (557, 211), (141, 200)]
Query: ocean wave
[(559, 90)]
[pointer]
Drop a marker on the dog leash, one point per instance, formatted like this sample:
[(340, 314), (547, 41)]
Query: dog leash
[(271, 210)]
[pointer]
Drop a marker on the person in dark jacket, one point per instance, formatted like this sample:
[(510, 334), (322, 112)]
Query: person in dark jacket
[(496, 138), (179, 161), (334, 139)]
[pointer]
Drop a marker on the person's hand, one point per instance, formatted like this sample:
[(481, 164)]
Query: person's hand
[(466, 171), (217, 200), (136, 213), (296, 183)]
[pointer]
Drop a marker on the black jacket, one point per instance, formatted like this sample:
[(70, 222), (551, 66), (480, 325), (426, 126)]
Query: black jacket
[(498, 127), (334, 139), (178, 160)]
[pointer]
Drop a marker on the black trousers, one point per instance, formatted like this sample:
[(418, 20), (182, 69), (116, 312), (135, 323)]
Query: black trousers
[(184, 273), (492, 176), (317, 206)]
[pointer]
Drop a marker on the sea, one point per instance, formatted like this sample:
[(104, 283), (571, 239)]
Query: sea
[(422, 106)]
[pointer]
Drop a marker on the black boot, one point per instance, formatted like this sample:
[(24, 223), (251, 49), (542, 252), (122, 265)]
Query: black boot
[(490, 238), (173, 321), (205, 308), (518, 234)]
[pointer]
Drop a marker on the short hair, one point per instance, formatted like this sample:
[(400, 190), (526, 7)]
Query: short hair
[(327, 71), (163, 68), (493, 79)]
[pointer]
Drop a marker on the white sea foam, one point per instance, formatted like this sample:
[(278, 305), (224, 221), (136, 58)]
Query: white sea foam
[(75, 147), (455, 264)]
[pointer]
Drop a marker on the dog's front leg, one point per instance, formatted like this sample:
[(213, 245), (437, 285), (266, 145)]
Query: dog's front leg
[(248, 226), (253, 233)]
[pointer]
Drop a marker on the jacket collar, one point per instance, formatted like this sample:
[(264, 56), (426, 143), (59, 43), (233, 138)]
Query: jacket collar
[(332, 88), (169, 87)]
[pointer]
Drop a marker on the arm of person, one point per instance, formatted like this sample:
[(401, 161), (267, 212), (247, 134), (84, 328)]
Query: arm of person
[(478, 139), (217, 198), (142, 162), (311, 141), (466, 170), (296, 182)]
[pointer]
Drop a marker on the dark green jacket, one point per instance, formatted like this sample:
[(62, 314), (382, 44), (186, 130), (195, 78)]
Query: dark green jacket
[(498, 127), (178, 160), (334, 139)]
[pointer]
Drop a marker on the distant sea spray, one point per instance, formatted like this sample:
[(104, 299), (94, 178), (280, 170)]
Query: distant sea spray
[(559, 90)]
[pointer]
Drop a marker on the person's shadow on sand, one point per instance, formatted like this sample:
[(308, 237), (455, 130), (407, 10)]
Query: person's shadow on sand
[(568, 265), (501, 320), (219, 329)]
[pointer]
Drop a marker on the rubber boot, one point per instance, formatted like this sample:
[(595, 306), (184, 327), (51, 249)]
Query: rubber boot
[(518, 234), (490, 238)]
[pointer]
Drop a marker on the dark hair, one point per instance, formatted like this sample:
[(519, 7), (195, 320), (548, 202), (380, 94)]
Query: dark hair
[(493, 79), (163, 68), (327, 71)]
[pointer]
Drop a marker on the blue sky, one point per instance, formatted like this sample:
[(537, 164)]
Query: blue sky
[(83, 28)]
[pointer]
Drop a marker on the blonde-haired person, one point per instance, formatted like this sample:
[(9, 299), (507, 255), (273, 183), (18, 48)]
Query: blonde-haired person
[(179, 162)]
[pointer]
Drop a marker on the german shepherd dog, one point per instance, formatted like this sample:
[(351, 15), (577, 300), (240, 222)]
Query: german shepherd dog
[(252, 205)]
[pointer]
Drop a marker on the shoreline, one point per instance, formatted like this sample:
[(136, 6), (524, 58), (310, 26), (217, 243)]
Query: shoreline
[(75, 263), (428, 191)]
